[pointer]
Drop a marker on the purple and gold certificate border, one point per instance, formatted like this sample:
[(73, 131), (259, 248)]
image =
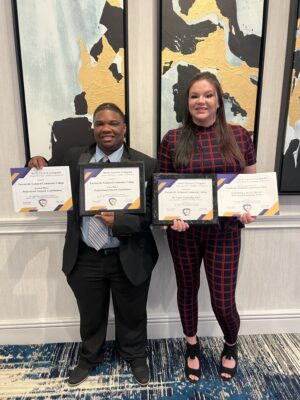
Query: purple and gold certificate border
[(227, 179), (17, 174), (91, 171), (163, 181)]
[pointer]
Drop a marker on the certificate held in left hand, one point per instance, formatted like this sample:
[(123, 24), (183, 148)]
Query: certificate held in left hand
[(255, 194), (46, 189)]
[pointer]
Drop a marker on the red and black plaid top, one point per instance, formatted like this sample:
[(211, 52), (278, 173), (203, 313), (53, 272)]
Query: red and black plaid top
[(207, 157)]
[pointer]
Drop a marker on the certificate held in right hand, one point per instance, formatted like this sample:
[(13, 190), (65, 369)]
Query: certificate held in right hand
[(251, 193), (207, 144)]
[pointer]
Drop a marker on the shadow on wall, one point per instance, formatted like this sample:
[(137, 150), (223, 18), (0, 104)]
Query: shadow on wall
[(162, 294)]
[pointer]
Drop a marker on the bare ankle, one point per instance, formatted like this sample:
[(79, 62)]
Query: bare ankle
[(230, 344), (191, 339)]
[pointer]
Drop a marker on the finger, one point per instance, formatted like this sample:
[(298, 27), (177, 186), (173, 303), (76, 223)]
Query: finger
[(107, 214), (184, 225), (179, 225), (33, 163), (241, 218), (103, 217), (37, 162), (247, 218), (250, 219), (104, 214), (41, 163), (175, 225)]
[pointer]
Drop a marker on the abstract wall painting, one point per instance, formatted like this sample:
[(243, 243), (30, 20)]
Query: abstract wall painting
[(225, 37), (288, 144), (72, 57)]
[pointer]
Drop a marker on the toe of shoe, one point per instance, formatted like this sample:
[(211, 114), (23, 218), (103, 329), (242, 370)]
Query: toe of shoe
[(77, 376), (141, 374)]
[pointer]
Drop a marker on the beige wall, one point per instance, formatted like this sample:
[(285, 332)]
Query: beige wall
[(35, 301)]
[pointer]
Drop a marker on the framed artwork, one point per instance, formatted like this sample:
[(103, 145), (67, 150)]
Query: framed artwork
[(223, 37), (288, 143), (71, 57)]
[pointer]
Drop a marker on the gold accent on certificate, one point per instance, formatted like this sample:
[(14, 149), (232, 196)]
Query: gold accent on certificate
[(112, 187), (37, 190), (189, 197), (255, 194)]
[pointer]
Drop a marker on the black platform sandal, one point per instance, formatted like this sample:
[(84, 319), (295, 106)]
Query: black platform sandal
[(192, 351), (229, 352)]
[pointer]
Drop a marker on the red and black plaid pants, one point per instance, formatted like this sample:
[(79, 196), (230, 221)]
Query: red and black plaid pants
[(219, 248)]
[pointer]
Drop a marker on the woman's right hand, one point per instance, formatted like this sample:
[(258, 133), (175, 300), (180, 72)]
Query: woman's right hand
[(37, 162), (179, 225)]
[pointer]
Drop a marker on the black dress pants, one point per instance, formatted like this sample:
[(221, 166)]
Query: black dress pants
[(93, 278)]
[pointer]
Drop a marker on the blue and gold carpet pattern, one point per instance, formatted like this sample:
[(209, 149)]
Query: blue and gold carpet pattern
[(269, 368)]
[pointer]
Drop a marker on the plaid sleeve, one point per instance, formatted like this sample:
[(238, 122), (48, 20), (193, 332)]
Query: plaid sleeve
[(245, 143), (166, 153), (250, 156)]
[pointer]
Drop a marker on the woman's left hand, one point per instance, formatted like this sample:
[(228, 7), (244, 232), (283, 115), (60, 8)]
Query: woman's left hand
[(246, 218)]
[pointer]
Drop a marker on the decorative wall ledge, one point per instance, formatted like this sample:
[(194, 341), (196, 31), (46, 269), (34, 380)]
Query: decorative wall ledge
[(36, 225), (46, 225), (276, 222)]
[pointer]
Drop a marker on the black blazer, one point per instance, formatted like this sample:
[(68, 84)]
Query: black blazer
[(138, 252)]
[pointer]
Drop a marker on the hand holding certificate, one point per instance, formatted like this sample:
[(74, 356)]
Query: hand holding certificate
[(46, 189), (255, 194)]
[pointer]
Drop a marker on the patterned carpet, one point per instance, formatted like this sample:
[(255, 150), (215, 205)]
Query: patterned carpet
[(269, 368)]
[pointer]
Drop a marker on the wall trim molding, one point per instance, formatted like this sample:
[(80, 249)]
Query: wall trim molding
[(21, 226), (57, 224), (276, 222), (66, 329)]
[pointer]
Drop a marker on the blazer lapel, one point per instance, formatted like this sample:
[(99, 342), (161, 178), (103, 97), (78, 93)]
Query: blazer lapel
[(125, 155), (84, 158)]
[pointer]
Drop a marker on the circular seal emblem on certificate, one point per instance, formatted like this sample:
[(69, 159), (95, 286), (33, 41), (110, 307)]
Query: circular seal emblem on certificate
[(112, 201), (247, 207), (186, 211)]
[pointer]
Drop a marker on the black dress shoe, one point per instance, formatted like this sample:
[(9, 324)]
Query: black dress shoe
[(78, 375), (140, 370)]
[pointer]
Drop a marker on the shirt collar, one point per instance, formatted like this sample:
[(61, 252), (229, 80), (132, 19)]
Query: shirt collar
[(113, 157)]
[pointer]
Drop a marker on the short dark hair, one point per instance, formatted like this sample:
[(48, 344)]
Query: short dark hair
[(111, 107)]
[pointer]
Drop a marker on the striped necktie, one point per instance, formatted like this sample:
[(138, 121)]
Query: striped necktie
[(98, 233)]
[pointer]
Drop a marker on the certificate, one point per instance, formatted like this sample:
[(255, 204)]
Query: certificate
[(190, 197), (111, 186), (253, 193), (46, 189)]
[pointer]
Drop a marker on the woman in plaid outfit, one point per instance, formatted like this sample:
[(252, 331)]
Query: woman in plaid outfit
[(207, 144)]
